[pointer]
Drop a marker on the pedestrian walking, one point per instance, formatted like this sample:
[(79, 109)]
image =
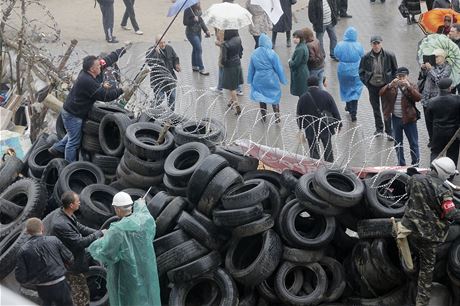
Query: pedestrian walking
[(310, 107), (265, 73), (342, 7), (261, 24), (376, 69), (432, 75), (398, 103), (443, 118), (42, 262), (323, 16), (164, 63), (107, 20), (194, 24), (127, 251), (129, 13), (232, 51), (298, 65), (316, 56), (413, 7), (349, 53), (429, 209), (284, 24), (63, 224), (87, 89)]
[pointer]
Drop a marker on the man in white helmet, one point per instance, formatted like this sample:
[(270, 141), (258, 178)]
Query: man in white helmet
[(428, 210), (127, 251)]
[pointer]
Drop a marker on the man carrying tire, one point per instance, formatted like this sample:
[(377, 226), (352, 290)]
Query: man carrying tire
[(425, 219), (63, 224), (127, 252), (42, 262), (87, 89)]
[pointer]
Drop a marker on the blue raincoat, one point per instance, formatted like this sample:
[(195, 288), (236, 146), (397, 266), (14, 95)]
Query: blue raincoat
[(349, 53), (127, 251), (265, 73)]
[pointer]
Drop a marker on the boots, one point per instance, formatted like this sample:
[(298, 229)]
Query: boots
[(276, 109)]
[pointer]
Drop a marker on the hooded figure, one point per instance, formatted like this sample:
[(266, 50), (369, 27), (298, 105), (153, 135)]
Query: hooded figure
[(127, 251), (349, 53), (265, 73)]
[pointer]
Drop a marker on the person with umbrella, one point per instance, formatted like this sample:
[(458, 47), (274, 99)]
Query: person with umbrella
[(232, 51), (194, 24), (432, 76), (284, 24), (349, 53), (265, 73)]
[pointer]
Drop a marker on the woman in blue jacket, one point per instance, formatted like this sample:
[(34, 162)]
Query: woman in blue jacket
[(265, 74), (349, 53)]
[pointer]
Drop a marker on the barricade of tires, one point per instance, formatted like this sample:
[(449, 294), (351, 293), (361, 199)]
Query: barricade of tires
[(226, 232)]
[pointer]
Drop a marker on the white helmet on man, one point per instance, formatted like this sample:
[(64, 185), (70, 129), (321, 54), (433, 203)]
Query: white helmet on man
[(122, 199), (445, 167)]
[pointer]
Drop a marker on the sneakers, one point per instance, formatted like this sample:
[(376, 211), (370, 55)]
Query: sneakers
[(345, 16), (240, 93), (215, 89), (112, 41), (139, 32), (204, 72), (126, 28), (195, 68)]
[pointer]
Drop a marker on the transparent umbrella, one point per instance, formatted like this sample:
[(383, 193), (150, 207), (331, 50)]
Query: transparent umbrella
[(227, 16), (439, 41)]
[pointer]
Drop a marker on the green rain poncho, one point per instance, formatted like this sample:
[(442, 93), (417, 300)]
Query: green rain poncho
[(127, 251)]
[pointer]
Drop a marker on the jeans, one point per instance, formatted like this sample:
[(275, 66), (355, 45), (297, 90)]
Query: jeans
[(129, 13), (410, 129), (319, 73), (57, 294), (221, 77), (375, 103), (70, 144), (170, 96), (197, 51), (107, 20), (326, 139), (330, 29)]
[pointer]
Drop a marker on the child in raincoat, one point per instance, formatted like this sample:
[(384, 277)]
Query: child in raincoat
[(127, 251), (349, 53), (265, 73)]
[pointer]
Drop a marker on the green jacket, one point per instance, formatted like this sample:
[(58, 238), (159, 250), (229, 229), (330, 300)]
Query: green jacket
[(299, 70), (127, 251), (423, 208)]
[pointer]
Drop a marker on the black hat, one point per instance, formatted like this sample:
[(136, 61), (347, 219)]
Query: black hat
[(445, 83), (376, 38), (402, 70)]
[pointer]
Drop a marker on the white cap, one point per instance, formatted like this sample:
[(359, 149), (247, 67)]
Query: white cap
[(122, 199)]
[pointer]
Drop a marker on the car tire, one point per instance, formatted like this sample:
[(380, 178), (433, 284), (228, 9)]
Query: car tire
[(112, 132)]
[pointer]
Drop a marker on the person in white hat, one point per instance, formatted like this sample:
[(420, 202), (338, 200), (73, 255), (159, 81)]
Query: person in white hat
[(127, 252)]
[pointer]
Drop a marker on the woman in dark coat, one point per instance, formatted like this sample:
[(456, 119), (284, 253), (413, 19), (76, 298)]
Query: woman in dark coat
[(298, 65), (232, 51), (413, 6), (284, 24)]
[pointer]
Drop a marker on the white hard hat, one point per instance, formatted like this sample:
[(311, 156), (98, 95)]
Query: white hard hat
[(445, 167), (122, 199)]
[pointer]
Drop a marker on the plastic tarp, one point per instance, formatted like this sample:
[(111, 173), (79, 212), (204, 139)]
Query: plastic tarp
[(19, 142), (127, 251)]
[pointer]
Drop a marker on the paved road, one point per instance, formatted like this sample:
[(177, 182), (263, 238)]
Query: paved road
[(355, 144)]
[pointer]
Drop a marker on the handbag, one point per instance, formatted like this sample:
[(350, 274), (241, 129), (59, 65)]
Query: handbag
[(403, 10)]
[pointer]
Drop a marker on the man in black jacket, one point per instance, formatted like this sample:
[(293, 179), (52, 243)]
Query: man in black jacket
[(443, 118), (87, 89), (163, 62), (378, 68), (323, 16), (75, 236), (309, 118), (41, 262)]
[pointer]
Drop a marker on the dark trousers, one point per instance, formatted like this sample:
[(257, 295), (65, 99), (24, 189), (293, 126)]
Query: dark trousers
[(429, 4), (313, 142), (441, 137), (429, 125), (410, 129), (352, 107), (107, 19), (375, 103), (129, 13), (57, 295), (426, 251), (342, 6), (263, 109), (274, 34), (256, 39)]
